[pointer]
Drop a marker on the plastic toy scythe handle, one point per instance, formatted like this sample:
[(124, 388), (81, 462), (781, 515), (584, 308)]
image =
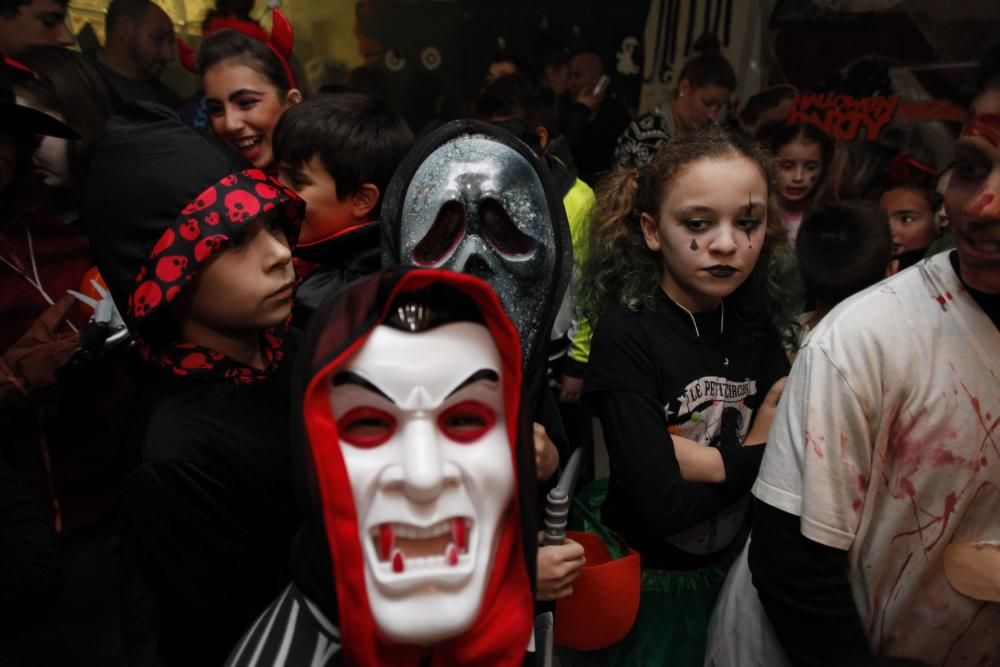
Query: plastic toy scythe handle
[(557, 501)]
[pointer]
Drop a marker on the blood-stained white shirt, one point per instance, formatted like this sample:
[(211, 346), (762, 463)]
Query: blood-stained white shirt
[(887, 445)]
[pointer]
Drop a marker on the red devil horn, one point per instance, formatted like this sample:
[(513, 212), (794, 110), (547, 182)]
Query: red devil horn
[(186, 55), (282, 34)]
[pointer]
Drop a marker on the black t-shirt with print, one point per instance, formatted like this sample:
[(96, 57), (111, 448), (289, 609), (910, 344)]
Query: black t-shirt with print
[(661, 370)]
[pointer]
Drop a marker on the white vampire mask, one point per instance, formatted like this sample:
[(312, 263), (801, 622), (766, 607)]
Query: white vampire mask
[(422, 429)]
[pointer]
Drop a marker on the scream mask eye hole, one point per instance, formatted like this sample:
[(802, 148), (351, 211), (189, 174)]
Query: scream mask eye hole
[(444, 234), (501, 230), (467, 421), (366, 427)]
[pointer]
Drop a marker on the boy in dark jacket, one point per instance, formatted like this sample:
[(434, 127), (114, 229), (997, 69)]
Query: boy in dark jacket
[(338, 152), (194, 246)]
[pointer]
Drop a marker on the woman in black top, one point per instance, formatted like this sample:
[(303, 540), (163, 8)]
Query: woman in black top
[(683, 256)]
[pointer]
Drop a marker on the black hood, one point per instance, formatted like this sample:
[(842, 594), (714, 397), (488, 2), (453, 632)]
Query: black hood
[(162, 199)]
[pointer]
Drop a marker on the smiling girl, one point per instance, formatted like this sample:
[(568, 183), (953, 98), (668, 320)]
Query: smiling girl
[(684, 353), (248, 85)]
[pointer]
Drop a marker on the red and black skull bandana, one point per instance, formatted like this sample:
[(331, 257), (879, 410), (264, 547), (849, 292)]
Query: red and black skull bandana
[(190, 360), (203, 228)]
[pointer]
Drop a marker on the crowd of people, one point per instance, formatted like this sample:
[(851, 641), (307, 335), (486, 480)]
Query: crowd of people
[(285, 377)]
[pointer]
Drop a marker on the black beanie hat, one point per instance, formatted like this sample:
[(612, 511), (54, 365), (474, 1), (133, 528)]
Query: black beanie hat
[(163, 198)]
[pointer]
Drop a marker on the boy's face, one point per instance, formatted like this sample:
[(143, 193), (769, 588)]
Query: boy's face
[(326, 214), (248, 285)]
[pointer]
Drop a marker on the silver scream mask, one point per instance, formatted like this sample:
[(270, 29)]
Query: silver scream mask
[(475, 205)]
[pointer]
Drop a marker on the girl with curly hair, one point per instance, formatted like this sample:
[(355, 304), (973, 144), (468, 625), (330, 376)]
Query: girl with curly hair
[(683, 272)]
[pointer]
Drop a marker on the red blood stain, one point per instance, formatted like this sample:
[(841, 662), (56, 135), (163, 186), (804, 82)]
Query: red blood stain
[(862, 484), (986, 126), (942, 457), (814, 444), (856, 505), (890, 596), (979, 204), (907, 486)]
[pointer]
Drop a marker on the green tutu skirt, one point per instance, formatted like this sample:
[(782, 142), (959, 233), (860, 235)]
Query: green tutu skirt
[(671, 627)]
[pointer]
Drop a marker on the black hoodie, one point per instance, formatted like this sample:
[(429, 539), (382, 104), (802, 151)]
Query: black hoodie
[(210, 511)]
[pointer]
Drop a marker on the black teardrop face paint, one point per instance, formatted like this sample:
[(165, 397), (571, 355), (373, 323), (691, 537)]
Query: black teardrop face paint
[(749, 213), (694, 244)]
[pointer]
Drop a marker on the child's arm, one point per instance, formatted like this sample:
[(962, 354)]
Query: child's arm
[(698, 463)]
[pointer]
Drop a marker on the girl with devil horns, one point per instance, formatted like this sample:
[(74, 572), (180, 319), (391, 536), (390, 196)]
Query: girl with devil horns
[(248, 82)]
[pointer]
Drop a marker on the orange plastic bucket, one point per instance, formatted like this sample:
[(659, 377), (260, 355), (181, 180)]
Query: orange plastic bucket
[(605, 598)]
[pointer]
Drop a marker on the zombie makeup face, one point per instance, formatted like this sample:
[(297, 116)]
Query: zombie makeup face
[(709, 230), (800, 165), (973, 196), (422, 429), (477, 206)]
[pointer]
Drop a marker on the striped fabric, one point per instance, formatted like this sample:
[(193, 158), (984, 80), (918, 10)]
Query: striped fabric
[(293, 632)]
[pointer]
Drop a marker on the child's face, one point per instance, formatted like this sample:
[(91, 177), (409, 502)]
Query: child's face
[(243, 108), (248, 286), (800, 165), (325, 213), (911, 219), (710, 230)]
